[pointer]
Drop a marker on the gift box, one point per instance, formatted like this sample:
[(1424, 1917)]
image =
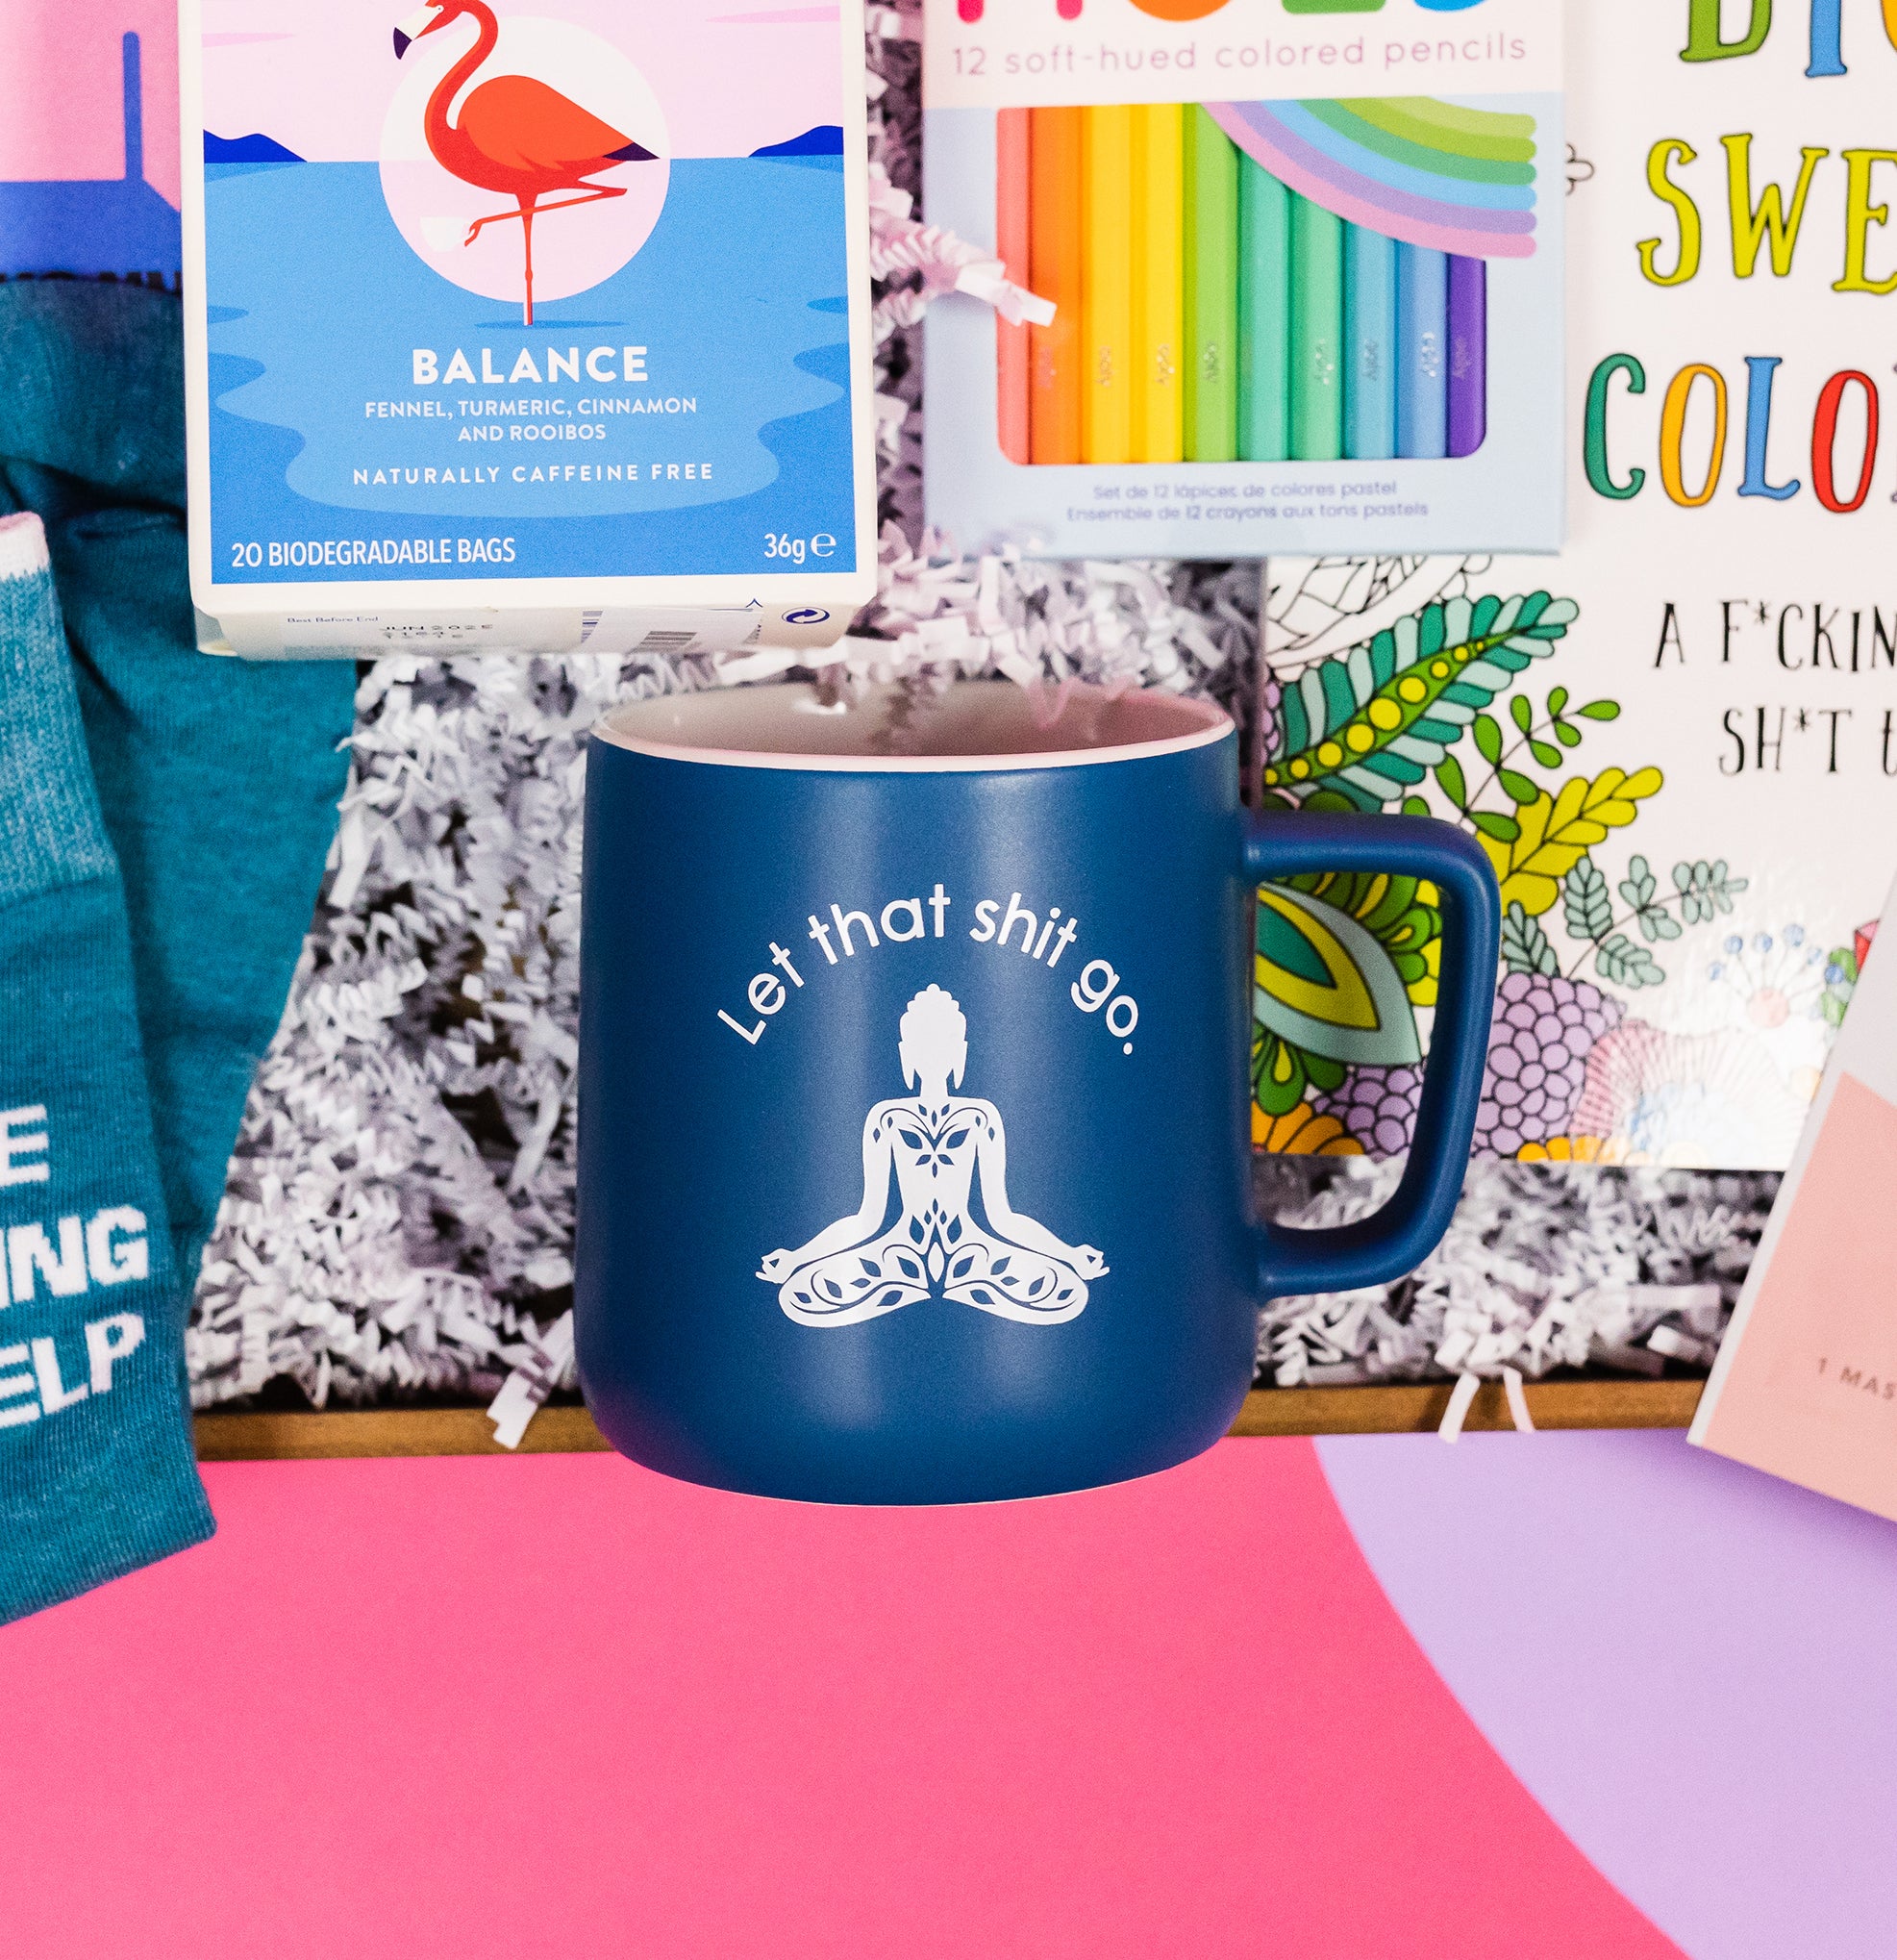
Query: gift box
[(1195, 628)]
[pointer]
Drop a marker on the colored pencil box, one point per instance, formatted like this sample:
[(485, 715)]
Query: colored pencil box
[(1285, 320), (527, 328)]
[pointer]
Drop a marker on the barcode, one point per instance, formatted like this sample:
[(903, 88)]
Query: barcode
[(663, 639)]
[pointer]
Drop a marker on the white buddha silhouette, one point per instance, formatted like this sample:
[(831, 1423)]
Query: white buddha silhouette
[(936, 1142)]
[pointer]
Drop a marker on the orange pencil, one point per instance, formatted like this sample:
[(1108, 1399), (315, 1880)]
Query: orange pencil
[(1056, 150), (1109, 382), (1014, 194)]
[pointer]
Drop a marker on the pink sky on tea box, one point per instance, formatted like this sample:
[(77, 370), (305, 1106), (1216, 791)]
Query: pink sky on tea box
[(729, 79), (755, 76)]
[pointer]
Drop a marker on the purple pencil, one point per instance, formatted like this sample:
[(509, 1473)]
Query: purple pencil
[(1469, 355)]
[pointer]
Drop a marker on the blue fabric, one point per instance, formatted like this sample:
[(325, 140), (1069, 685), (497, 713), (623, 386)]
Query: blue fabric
[(218, 778), (164, 819), (96, 1473)]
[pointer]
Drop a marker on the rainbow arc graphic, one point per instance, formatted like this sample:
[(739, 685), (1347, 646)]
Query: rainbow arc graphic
[(1434, 174)]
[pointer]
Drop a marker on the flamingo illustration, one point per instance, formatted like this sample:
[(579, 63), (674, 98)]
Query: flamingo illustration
[(517, 136)]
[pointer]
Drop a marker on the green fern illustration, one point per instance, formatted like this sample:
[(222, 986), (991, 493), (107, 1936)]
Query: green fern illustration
[(1372, 724), (1525, 947), (1588, 908)]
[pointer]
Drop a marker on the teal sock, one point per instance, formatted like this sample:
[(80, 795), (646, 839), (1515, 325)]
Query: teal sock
[(96, 1469), (219, 779)]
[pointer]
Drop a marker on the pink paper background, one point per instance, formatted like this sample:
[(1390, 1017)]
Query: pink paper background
[(558, 1706), (1377, 1697)]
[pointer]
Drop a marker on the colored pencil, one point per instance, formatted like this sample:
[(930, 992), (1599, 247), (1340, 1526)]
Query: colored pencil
[(1159, 244), (1055, 258), (1205, 311), (1422, 331), (1012, 191), (1469, 355), (1369, 344), (1317, 331), (1265, 314), (1211, 291), (1107, 374)]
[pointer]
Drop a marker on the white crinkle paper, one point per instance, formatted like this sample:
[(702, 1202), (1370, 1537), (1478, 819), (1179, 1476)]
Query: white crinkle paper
[(1545, 1266), (399, 1216)]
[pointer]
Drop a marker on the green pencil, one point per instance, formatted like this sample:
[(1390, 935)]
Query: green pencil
[(1265, 314), (1317, 333), (1212, 292)]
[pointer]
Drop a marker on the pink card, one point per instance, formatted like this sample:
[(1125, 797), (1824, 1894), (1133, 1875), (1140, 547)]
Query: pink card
[(1806, 1383), (1810, 1379)]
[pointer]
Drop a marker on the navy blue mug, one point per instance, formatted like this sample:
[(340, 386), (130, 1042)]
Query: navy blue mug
[(914, 1139)]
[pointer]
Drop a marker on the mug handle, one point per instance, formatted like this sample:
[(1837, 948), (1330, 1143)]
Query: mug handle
[(1401, 1236)]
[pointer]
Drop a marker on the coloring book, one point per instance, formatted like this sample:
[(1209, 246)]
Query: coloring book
[(1677, 738)]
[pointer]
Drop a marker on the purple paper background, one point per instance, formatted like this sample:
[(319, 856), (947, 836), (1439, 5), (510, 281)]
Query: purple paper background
[(1691, 1667)]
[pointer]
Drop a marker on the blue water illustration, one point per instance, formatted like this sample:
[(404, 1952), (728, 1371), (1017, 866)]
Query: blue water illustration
[(318, 308)]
